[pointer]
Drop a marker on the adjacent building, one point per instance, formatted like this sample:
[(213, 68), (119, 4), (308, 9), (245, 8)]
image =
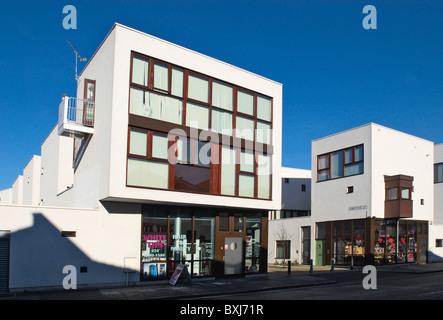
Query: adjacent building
[(375, 199)]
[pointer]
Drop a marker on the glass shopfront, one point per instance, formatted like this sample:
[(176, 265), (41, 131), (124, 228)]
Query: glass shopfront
[(173, 235), (398, 241), (349, 242)]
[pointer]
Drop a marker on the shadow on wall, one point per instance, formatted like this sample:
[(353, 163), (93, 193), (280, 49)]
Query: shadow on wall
[(39, 254)]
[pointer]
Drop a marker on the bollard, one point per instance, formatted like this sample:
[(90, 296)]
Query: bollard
[(289, 268), (312, 266), (332, 264)]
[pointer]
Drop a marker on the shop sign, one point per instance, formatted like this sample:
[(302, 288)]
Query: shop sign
[(363, 207)]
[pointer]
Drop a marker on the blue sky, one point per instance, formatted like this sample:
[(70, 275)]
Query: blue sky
[(335, 74)]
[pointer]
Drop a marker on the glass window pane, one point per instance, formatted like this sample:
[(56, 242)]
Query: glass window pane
[(393, 194), (353, 169), (348, 155), (245, 102), (336, 164), (323, 175), (246, 185), (247, 162), (221, 122), (159, 146), (161, 76), (138, 142), (264, 176), (203, 153), (222, 96), (177, 82), (263, 132), (238, 222), (228, 171), (440, 172), (140, 71), (180, 241), (244, 128), (323, 162), (156, 106), (154, 247), (405, 193), (263, 108), (197, 116), (143, 173), (198, 88), (204, 244), (359, 153), (190, 178), (223, 222)]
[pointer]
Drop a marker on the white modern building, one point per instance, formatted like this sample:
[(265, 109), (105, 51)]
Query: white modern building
[(372, 200), (165, 156), (289, 233)]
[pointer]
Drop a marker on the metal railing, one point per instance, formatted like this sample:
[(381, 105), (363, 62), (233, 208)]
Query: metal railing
[(76, 111)]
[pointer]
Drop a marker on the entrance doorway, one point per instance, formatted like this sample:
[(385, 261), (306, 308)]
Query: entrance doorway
[(233, 257), (306, 245)]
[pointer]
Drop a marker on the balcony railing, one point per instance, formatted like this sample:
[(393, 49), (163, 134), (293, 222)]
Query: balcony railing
[(76, 116)]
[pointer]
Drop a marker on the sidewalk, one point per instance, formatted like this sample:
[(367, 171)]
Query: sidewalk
[(276, 278)]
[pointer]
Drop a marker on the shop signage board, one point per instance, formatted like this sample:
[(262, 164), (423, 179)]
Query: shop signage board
[(176, 274)]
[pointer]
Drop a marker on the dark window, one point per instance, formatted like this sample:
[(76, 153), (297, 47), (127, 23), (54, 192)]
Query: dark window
[(283, 249), (303, 188), (438, 243), (438, 172)]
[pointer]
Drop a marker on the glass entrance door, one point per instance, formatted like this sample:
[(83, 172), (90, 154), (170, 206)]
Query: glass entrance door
[(233, 257)]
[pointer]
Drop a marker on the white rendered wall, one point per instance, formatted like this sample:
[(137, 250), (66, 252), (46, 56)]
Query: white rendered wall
[(103, 239), (289, 229), (31, 181), (330, 200), (394, 153), (436, 229), (6, 196), (293, 198), (17, 191), (103, 168), (56, 169)]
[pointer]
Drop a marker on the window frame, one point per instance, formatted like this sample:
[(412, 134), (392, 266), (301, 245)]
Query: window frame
[(185, 98), (344, 164)]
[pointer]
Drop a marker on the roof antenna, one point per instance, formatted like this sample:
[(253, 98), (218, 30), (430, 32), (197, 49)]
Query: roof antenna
[(77, 57)]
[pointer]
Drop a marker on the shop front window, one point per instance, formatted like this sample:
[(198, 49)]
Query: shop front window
[(154, 248), (204, 229), (253, 244)]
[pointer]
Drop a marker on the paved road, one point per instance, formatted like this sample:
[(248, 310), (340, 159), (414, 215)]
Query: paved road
[(349, 286)]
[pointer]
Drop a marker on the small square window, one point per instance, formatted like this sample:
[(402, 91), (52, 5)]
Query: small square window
[(286, 180), (350, 189), (439, 243)]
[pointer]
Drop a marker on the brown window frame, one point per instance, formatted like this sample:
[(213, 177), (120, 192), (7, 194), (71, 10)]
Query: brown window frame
[(185, 99), (344, 164), (85, 95)]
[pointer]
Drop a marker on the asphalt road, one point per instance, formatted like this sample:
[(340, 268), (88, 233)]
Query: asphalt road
[(349, 286)]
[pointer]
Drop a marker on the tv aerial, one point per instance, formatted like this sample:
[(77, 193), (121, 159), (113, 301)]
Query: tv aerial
[(78, 57)]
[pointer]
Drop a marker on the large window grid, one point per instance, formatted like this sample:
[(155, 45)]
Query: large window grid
[(161, 161), (341, 163), (163, 91)]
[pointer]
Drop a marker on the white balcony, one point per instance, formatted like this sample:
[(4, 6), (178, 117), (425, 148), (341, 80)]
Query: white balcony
[(75, 117)]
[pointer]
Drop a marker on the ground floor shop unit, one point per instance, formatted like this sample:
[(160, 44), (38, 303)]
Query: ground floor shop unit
[(371, 241), (126, 244), (210, 242)]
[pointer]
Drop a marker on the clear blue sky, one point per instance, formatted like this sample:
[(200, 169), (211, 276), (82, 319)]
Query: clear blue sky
[(335, 74)]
